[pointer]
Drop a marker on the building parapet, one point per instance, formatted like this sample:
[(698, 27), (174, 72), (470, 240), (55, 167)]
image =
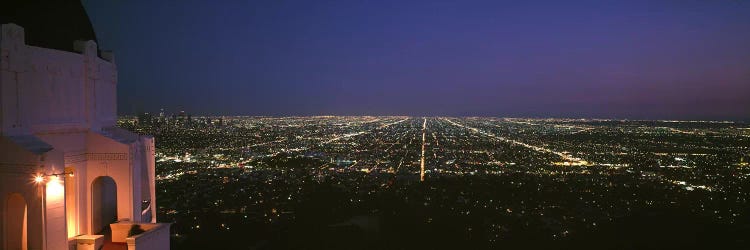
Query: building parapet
[(156, 235), (89, 242)]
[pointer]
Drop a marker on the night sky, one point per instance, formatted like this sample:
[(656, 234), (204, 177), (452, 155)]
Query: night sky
[(604, 59)]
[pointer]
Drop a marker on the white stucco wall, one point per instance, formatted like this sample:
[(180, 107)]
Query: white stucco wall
[(67, 100), (54, 203), (47, 90)]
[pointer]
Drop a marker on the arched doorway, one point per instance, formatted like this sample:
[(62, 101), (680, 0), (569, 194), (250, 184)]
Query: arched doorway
[(16, 223), (104, 201)]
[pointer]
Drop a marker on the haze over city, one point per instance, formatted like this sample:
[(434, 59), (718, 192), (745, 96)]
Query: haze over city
[(685, 60)]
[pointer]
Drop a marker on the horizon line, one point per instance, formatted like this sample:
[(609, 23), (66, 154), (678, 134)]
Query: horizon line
[(477, 116)]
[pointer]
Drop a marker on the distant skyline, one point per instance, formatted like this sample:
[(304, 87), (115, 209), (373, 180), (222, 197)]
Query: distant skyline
[(687, 60)]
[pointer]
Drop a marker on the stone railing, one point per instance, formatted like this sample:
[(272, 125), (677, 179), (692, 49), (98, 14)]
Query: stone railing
[(87, 242), (156, 235)]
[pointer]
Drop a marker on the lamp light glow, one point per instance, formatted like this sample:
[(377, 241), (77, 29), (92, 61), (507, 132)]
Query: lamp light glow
[(38, 179), (54, 187)]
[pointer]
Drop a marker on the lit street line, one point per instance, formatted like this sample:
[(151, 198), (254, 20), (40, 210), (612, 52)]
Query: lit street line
[(424, 130), (394, 123), (538, 149), (362, 132), (580, 129), (265, 143)]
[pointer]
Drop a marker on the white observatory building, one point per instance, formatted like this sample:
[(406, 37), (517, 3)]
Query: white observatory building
[(69, 177)]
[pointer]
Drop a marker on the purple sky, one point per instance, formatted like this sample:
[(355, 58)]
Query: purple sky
[(677, 59)]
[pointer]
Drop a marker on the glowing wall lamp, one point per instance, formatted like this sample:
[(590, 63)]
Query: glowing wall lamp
[(38, 179), (54, 185)]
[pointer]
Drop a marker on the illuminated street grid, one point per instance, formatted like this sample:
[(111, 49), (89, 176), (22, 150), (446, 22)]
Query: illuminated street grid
[(494, 179)]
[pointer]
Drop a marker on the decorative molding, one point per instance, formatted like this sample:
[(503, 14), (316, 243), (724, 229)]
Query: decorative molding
[(60, 128), (75, 158), (107, 156), (96, 157)]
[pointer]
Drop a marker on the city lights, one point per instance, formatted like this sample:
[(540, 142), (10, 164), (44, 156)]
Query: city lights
[(497, 170)]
